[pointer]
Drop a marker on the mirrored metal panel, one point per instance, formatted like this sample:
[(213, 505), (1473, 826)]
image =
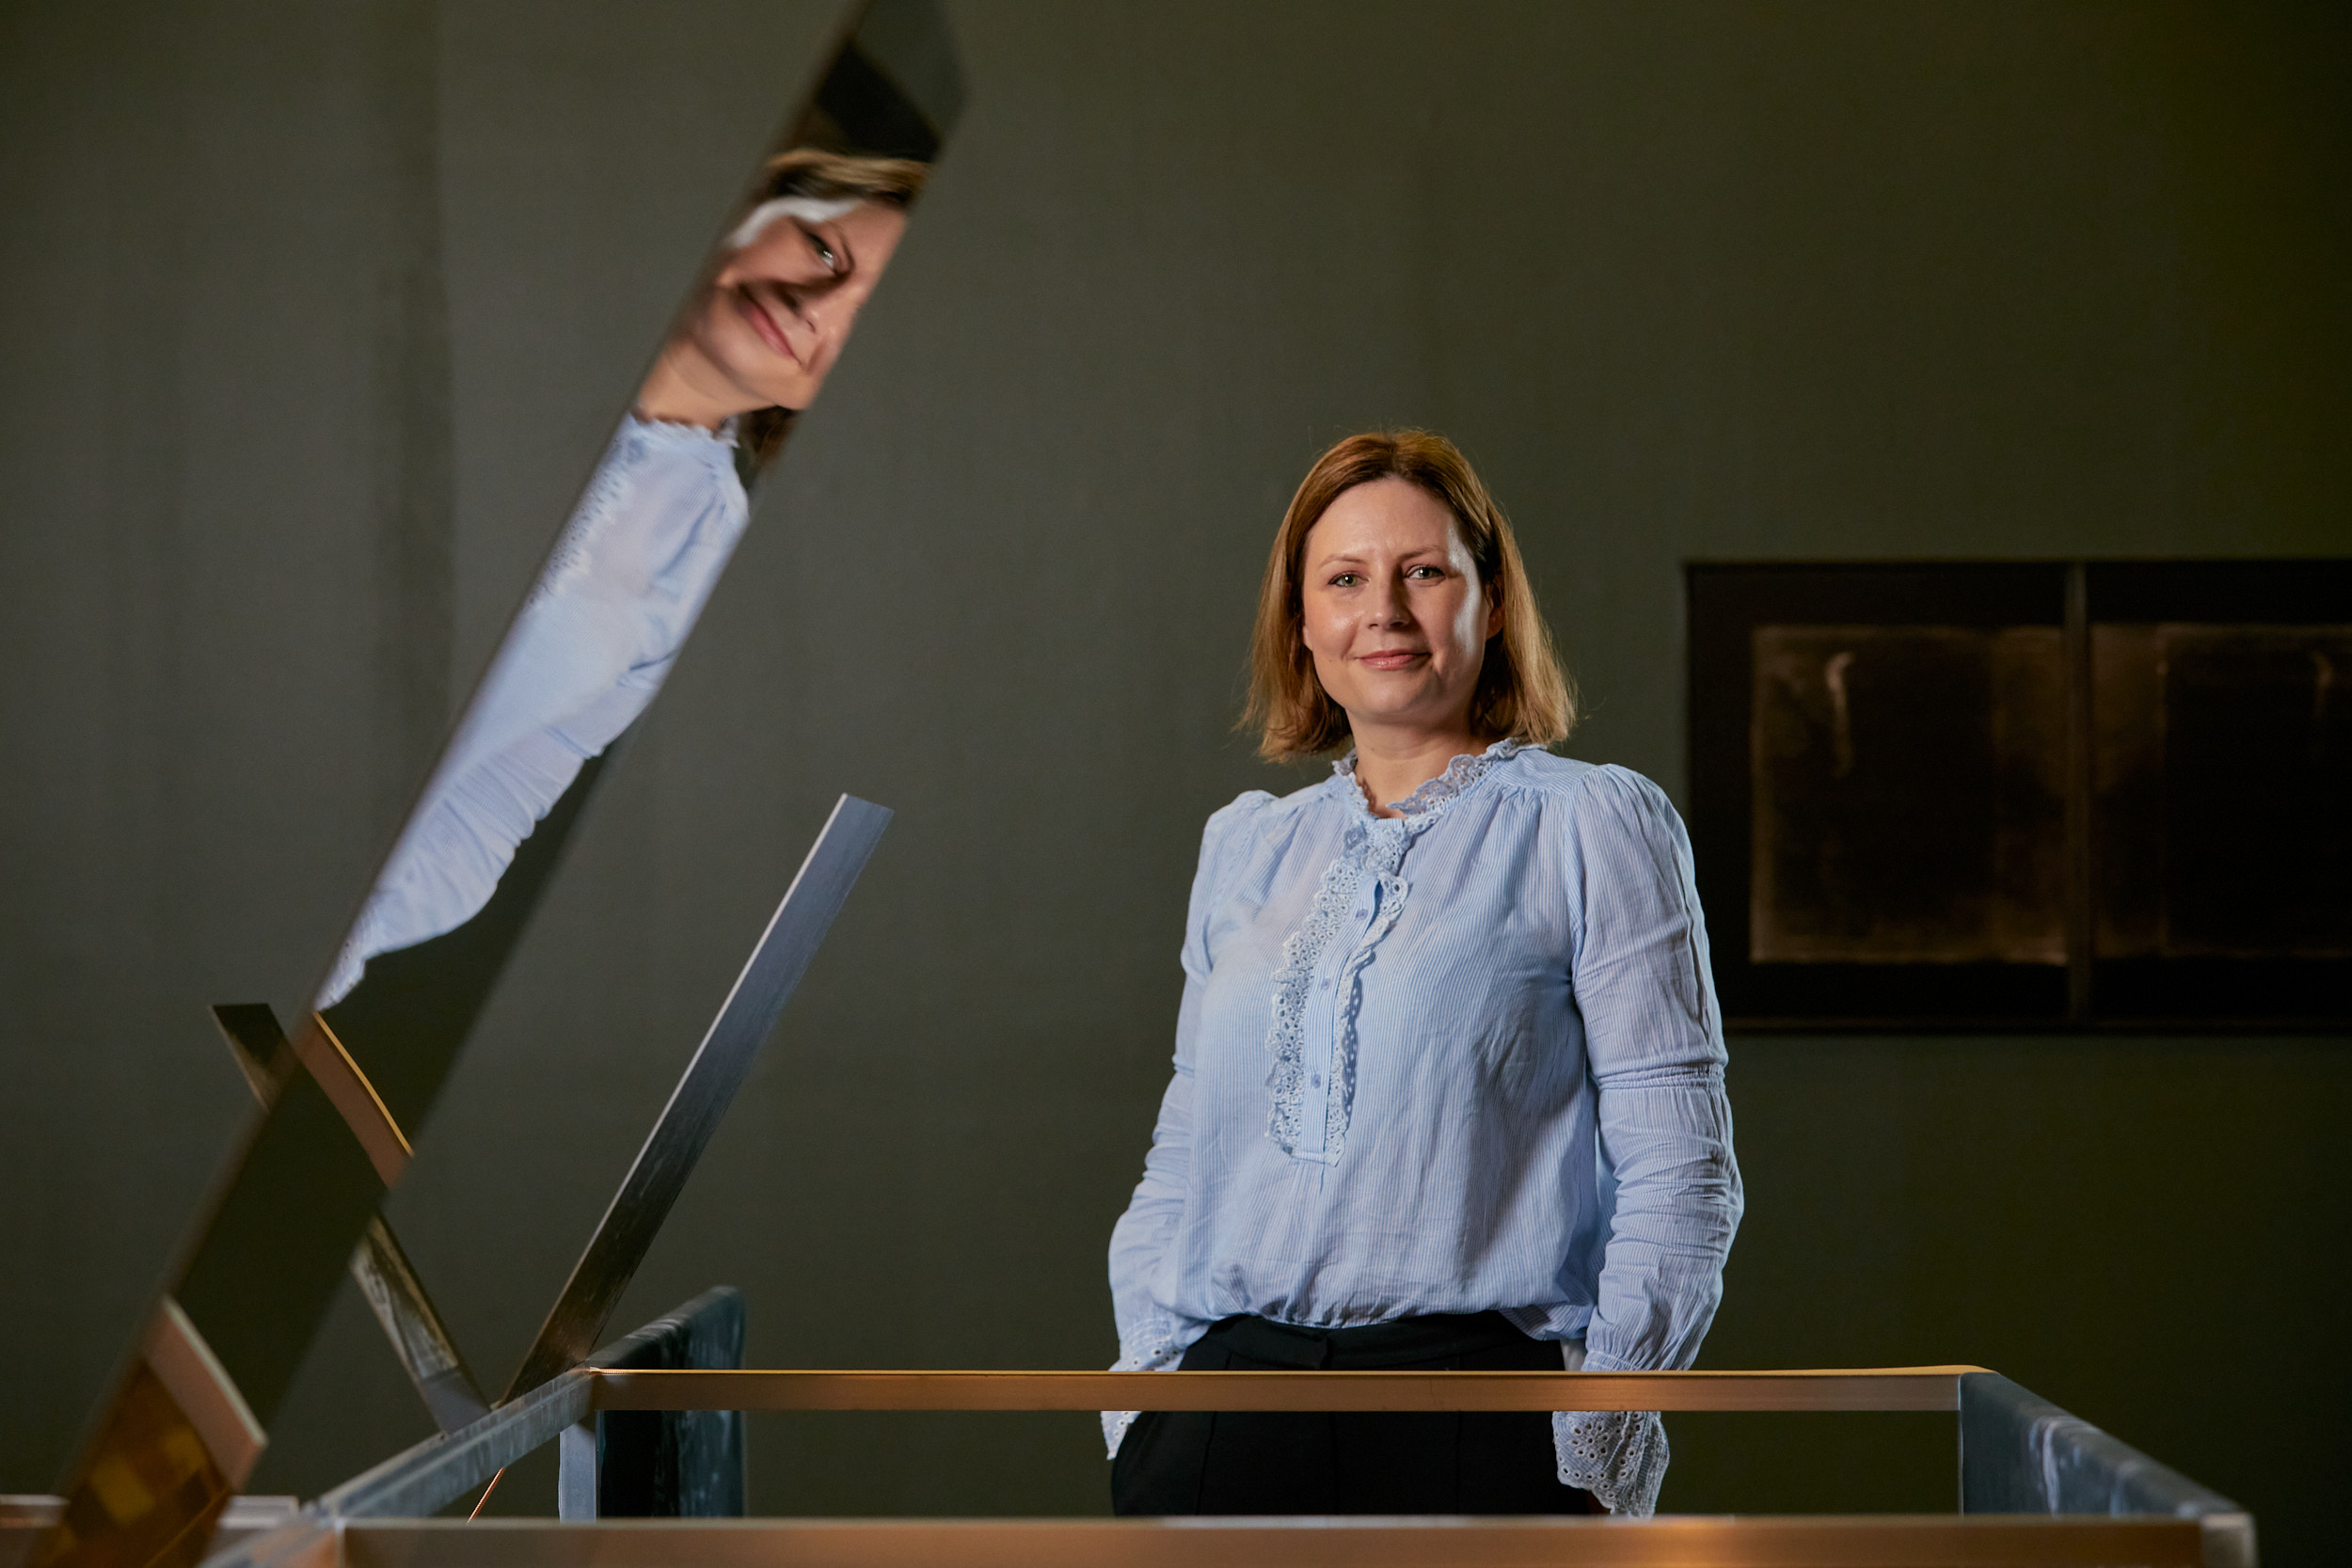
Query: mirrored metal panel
[(602, 626), (757, 335)]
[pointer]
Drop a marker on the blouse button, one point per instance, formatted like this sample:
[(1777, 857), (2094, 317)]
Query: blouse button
[(1315, 1082), (1361, 914)]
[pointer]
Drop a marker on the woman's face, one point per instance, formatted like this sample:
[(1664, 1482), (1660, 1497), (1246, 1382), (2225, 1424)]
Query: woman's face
[(782, 307), (1393, 610)]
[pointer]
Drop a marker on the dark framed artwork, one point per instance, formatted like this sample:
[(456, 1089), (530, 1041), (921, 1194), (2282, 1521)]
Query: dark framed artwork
[(2024, 795)]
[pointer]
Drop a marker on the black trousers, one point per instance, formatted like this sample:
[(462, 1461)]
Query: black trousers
[(1372, 1462)]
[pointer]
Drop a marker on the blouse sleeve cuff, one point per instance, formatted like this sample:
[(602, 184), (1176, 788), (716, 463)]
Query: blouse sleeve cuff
[(1619, 1456), (1600, 1360), (1158, 1354)]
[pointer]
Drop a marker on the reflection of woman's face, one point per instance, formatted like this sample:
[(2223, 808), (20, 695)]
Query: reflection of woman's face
[(781, 307)]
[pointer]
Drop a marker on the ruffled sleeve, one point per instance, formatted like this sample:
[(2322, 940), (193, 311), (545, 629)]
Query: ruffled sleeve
[(1152, 1337), (1654, 1043)]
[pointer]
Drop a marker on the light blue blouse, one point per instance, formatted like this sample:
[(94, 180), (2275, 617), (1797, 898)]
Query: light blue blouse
[(591, 647), (1464, 1059)]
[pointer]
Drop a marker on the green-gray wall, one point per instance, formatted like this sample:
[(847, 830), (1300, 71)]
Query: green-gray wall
[(313, 323)]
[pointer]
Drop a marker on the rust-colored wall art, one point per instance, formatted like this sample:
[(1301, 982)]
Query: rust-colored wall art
[(2026, 795)]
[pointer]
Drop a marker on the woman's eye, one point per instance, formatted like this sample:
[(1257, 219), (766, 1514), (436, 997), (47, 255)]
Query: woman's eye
[(826, 257), (1345, 580), (1426, 574)]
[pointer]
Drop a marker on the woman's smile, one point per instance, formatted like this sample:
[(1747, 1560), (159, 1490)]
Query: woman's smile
[(763, 321), (1387, 561), (768, 331)]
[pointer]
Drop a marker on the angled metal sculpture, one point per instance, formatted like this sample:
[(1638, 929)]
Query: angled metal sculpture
[(2038, 1487), (188, 1417), (395, 1293), (721, 1064)]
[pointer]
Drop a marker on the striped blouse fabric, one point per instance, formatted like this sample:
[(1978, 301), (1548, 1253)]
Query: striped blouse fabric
[(603, 625), (1462, 1059)]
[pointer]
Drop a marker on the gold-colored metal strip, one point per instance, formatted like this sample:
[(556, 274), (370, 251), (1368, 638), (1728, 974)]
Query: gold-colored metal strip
[(189, 1371), (301, 1541), (352, 1095), (148, 1496), (1864, 1389), (1880, 1541)]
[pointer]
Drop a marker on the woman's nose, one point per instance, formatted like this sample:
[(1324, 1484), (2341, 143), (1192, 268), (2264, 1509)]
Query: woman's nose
[(1388, 610)]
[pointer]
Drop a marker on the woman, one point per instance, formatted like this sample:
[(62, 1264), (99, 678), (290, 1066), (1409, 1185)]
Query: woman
[(1449, 1070), (628, 575)]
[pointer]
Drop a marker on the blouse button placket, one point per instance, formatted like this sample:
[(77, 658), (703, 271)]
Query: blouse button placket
[(1321, 1032), (1313, 1061), (1318, 1040)]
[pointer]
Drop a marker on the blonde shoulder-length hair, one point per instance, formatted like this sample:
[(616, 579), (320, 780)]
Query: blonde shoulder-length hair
[(1522, 693)]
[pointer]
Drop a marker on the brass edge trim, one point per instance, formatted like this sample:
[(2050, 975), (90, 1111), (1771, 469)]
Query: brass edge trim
[(2228, 1540), (1877, 1540), (1929, 1388), (364, 1110), (203, 1390)]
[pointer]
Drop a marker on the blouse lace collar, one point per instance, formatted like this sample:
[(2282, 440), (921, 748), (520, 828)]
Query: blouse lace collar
[(685, 433), (1436, 794)]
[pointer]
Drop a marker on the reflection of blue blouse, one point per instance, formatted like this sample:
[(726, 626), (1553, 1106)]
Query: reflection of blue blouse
[(1460, 1060), (596, 641)]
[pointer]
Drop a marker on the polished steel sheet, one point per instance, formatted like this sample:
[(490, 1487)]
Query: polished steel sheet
[(422, 1480), (701, 1098), (395, 1293), (245, 1296)]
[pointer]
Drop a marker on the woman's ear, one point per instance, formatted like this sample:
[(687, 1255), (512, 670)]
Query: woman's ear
[(1494, 609)]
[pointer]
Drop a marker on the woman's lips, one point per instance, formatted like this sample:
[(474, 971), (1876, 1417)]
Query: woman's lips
[(1391, 658), (770, 331)]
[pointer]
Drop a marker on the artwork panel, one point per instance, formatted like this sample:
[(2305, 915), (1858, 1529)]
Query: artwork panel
[(1907, 795), (2257, 783), (2174, 808)]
